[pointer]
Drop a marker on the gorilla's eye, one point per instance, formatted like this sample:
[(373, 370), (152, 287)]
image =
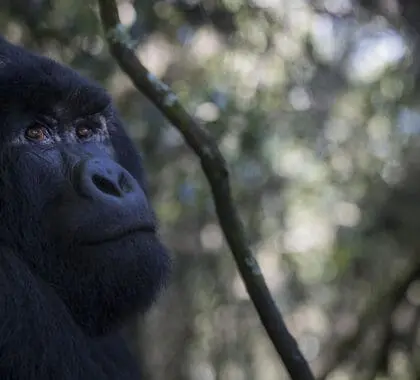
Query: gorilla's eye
[(36, 132), (83, 132)]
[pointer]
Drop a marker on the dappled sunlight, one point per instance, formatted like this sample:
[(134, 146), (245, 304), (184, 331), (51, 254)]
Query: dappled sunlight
[(205, 44), (127, 13), (157, 54), (373, 55), (307, 232)]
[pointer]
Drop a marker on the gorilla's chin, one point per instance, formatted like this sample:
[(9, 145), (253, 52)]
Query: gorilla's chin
[(112, 281)]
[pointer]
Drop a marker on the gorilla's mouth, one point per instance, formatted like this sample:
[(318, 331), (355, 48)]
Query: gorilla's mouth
[(149, 230)]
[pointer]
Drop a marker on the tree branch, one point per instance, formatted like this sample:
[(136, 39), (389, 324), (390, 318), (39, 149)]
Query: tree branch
[(382, 303), (215, 169)]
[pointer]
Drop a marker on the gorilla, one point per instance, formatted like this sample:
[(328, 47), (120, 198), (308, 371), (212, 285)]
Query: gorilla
[(79, 251)]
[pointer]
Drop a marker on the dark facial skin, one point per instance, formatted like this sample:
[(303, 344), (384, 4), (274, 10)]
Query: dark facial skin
[(75, 217)]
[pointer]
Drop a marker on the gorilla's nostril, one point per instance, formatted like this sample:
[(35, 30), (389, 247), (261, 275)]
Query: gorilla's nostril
[(124, 183), (105, 185)]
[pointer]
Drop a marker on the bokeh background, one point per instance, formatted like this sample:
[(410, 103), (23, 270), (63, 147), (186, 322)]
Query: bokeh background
[(316, 107)]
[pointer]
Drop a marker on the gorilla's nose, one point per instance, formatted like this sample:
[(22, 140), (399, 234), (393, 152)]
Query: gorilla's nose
[(104, 179)]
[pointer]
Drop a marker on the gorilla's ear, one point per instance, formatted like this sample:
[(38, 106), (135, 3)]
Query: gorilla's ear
[(126, 153)]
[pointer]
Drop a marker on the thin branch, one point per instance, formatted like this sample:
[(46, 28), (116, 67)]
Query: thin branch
[(382, 303), (215, 169)]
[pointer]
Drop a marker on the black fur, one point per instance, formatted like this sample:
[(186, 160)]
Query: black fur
[(78, 246)]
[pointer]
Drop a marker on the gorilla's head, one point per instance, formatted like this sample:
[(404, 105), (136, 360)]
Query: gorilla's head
[(72, 192)]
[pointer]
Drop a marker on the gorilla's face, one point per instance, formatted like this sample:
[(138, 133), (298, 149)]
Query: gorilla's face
[(72, 193)]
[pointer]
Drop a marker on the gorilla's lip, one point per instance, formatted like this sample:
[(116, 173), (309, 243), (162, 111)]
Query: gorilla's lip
[(149, 229)]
